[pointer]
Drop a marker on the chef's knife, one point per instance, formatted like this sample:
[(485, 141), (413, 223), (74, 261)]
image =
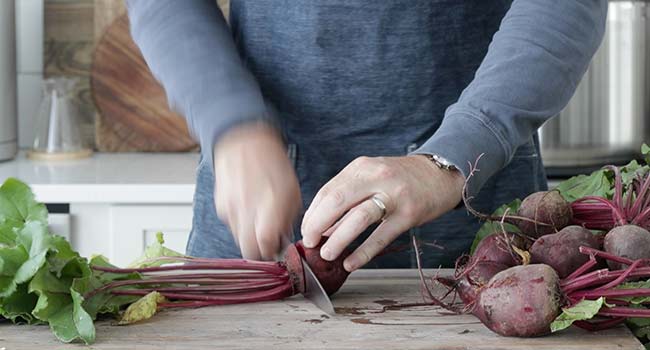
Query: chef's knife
[(314, 292)]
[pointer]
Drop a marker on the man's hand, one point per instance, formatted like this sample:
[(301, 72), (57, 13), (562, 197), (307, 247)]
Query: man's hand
[(413, 189), (257, 192)]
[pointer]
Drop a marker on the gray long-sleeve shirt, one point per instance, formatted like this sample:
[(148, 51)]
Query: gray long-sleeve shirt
[(344, 78)]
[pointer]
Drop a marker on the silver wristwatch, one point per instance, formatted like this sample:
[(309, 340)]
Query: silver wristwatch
[(441, 162)]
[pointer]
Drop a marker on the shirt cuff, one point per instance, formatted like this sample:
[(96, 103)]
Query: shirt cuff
[(461, 139), (211, 119)]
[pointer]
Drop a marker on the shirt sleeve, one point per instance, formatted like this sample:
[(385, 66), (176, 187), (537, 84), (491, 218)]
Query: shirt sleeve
[(532, 68), (190, 50)]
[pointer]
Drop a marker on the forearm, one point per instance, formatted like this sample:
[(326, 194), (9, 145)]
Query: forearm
[(188, 47), (530, 72)]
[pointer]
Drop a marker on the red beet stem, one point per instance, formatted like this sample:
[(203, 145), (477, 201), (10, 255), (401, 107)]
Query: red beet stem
[(204, 264), (229, 276), (620, 279), (612, 293), (188, 304), (605, 255), (219, 289), (600, 276), (599, 325), (178, 279), (582, 269), (275, 293), (623, 311), (615, 208)]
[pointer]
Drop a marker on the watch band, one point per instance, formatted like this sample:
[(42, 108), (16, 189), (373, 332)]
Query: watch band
[(441, 162)]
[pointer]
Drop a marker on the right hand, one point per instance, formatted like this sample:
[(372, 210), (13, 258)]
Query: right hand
[(257, 193)]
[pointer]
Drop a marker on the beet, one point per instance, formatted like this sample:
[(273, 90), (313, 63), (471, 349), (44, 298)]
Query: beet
[(330, 274), (561, 250), (520, 301), (470, 284), (548, 207), (497, 248), (627, 241)]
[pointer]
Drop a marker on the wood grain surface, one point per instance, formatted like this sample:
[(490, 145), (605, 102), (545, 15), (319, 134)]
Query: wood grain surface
[(133, 108), (72, 30), (295, 323)]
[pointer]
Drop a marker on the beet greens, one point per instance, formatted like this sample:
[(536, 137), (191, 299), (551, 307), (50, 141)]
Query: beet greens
[(43, 280)]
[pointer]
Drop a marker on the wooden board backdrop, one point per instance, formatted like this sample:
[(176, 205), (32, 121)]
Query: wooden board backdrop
[(72, 30)]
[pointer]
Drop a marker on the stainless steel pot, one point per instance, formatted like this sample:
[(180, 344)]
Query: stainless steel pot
[(8, 121), (608, 118)]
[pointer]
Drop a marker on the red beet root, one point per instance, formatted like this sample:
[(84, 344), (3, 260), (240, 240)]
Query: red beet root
[(331, 274), (497, 247), (470, 284), (546, 207), (562, 250), (628, 241), (521, 301)]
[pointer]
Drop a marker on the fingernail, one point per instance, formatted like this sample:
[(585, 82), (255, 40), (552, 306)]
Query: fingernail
[(307, 242), (326, 253), (351, 263)]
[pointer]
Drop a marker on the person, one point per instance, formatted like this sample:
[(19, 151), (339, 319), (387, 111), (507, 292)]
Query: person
[(357, 119)]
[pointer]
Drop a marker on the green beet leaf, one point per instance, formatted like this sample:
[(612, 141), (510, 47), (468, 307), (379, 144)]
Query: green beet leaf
[(153, 252), (490, 227), (72, 322), (11, 259), (53, 294), (35, 238), (17, 206), (63, 257), (596, 184), (18, 306), (584, 310)]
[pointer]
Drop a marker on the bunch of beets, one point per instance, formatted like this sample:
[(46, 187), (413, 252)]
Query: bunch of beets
[(562, 255)]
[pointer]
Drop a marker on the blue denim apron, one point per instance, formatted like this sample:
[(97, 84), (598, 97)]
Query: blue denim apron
[(361, 77)]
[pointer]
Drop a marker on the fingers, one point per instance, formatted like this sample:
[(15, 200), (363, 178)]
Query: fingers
[(270, 231), (385, 233), (331, 202), (349, 227), (245, 233)]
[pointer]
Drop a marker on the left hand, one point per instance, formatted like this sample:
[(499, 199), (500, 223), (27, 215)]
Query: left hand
[(413, 189)]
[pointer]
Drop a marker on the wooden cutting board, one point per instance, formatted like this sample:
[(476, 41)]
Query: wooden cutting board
[(133, 114), (295, 323)]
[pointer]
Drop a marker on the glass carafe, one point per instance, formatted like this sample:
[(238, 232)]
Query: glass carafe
[(57, 124)]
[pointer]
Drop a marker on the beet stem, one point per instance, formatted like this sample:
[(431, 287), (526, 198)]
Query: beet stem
[(204, 264), (600, 276), (599, 325), (605, 255), (179, 279), (275, 293), (620, 279), (582, 269), (624, 311), (611, 293)]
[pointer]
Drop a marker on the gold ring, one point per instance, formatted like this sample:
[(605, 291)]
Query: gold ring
[(380, 204)]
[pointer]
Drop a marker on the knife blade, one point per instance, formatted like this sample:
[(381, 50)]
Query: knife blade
[(314, 292)]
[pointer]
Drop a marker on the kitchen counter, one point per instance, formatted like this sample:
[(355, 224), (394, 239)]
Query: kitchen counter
[(294, 323), (116, 201), (109, 177)]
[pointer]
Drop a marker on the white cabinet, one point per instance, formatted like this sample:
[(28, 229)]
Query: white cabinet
[(117, 201), (134, 227), (122, 231)]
